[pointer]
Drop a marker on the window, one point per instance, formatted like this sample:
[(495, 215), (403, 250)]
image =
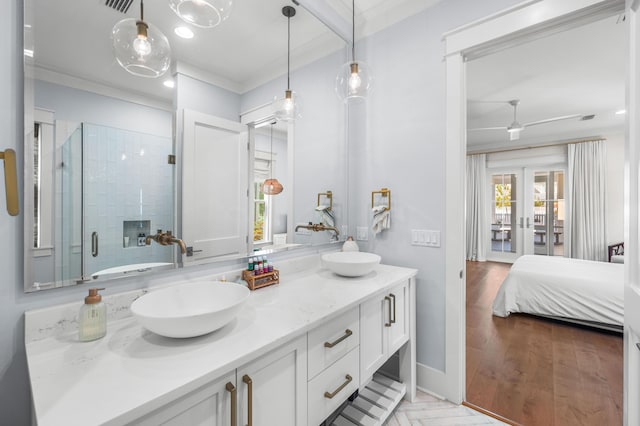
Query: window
[(261, 204)]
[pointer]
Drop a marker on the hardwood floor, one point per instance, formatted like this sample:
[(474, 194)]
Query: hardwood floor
[(535, 371)]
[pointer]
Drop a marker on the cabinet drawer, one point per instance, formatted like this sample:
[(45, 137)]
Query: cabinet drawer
[(339, 381), (332, 340)]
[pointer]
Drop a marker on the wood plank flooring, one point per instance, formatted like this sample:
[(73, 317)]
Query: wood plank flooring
[(535, 371)]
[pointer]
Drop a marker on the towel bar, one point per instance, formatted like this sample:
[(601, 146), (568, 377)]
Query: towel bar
[(384, 192), (10, 180)]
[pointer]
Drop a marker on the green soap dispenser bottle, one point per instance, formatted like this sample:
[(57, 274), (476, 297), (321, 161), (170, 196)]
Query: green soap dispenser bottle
[(92, 320)]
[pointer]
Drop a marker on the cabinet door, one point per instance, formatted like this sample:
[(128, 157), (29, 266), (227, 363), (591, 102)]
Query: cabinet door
[(273, 388), (373, 335), (209, 405), (399, 330)]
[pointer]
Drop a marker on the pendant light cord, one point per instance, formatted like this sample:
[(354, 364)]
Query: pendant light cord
[(271, 149), (142, 10), (288, 49), (353, 30)]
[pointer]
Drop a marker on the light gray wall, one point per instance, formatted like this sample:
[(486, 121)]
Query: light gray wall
[(403, 140), (81, 106)]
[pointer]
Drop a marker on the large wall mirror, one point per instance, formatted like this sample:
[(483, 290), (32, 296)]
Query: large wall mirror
[(104, 164)]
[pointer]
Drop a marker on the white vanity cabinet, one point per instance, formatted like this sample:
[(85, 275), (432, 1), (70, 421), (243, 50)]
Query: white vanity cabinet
[(209, 405), (272, 390), (267, 391), (384, 328)]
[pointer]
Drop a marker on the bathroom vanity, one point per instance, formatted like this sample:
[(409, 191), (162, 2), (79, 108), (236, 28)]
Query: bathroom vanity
[(293, 356)]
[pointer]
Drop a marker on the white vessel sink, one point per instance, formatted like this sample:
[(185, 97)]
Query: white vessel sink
[(190, 309), (350, 263)]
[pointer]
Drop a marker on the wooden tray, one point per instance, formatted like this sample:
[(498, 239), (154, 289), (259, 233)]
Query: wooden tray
[(262, 280)]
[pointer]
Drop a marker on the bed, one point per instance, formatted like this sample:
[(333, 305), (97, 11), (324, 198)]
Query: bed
[(580, 291)]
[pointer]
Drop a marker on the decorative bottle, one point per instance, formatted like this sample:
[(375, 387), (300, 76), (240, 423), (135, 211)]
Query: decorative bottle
[(92, 320)]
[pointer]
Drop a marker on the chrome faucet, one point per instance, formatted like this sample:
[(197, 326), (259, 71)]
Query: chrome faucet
[(319, 227), (166, 239)]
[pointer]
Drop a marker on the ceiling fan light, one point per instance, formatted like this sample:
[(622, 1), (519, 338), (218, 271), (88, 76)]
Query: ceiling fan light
[(140, 48), (202, 13), (515, 127)]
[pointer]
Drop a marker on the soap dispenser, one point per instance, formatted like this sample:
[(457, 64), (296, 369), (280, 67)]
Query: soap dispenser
[(92, 320)]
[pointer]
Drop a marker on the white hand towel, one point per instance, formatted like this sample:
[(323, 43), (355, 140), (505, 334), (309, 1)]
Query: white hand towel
[(326, 215), (381, 219)]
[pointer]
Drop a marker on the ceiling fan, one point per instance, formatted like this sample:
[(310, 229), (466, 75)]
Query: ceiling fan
[(516, 127)]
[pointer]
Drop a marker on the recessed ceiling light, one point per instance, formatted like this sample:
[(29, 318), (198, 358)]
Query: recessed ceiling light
[(184, 32), (169, 83), (620, 112)]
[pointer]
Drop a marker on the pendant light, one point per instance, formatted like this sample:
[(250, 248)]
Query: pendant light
[(141, 48), (271, 186), (287, 108), (354, 82), (202, 13)]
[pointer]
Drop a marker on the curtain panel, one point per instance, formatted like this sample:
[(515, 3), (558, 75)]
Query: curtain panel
[(586, 234), (476, 207)]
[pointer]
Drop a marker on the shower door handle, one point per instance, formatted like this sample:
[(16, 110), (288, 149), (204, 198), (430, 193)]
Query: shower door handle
[(94, 244)]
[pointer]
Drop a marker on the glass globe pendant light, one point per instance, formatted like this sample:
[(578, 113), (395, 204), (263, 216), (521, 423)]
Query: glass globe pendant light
[(140, 48), (354, 82), (287, 108), (271, 186), (202, 13)]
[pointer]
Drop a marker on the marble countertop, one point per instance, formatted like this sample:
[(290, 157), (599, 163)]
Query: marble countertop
[(132, 371)]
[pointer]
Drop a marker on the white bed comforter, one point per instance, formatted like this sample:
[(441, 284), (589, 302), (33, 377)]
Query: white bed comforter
[(569, 288)]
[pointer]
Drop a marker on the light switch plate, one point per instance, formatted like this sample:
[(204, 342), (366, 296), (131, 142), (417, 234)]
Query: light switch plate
[(425, 238), (362, 233)]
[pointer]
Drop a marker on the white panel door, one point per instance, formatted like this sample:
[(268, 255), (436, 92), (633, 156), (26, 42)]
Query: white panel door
[(399, 330), (214, 186), (373, 336), (632, 226)]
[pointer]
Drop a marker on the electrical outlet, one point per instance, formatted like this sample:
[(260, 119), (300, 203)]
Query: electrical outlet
[(303, 231), (362, 233)]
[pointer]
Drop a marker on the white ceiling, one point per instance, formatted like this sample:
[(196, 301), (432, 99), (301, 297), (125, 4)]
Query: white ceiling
[(72, 38), (578, 71)]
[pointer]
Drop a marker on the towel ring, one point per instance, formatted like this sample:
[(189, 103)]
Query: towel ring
[(384, 192), (328, 195)]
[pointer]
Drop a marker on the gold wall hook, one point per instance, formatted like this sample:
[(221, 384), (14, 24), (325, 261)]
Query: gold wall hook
[(10, 181)]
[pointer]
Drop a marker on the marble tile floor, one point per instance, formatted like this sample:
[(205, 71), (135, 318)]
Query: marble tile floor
[(429, 410)]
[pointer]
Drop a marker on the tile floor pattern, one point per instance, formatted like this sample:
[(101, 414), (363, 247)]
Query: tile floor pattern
[(429, 410)]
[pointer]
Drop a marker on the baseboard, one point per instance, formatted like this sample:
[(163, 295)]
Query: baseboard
[(431, 381)]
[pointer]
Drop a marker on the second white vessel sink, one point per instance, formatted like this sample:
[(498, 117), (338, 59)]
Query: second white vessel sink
[(350, 263), (190, 309)]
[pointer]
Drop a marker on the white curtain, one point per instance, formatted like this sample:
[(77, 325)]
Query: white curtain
[(586, 234), (476, 207)]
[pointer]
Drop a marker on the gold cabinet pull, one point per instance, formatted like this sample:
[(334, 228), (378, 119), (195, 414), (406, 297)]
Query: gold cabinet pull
[(249, 383), (388, 299), (234, 403), (347, 333), (335, 392), (393, 319)]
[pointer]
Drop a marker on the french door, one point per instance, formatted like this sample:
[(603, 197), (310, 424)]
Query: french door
[(526, 212)]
